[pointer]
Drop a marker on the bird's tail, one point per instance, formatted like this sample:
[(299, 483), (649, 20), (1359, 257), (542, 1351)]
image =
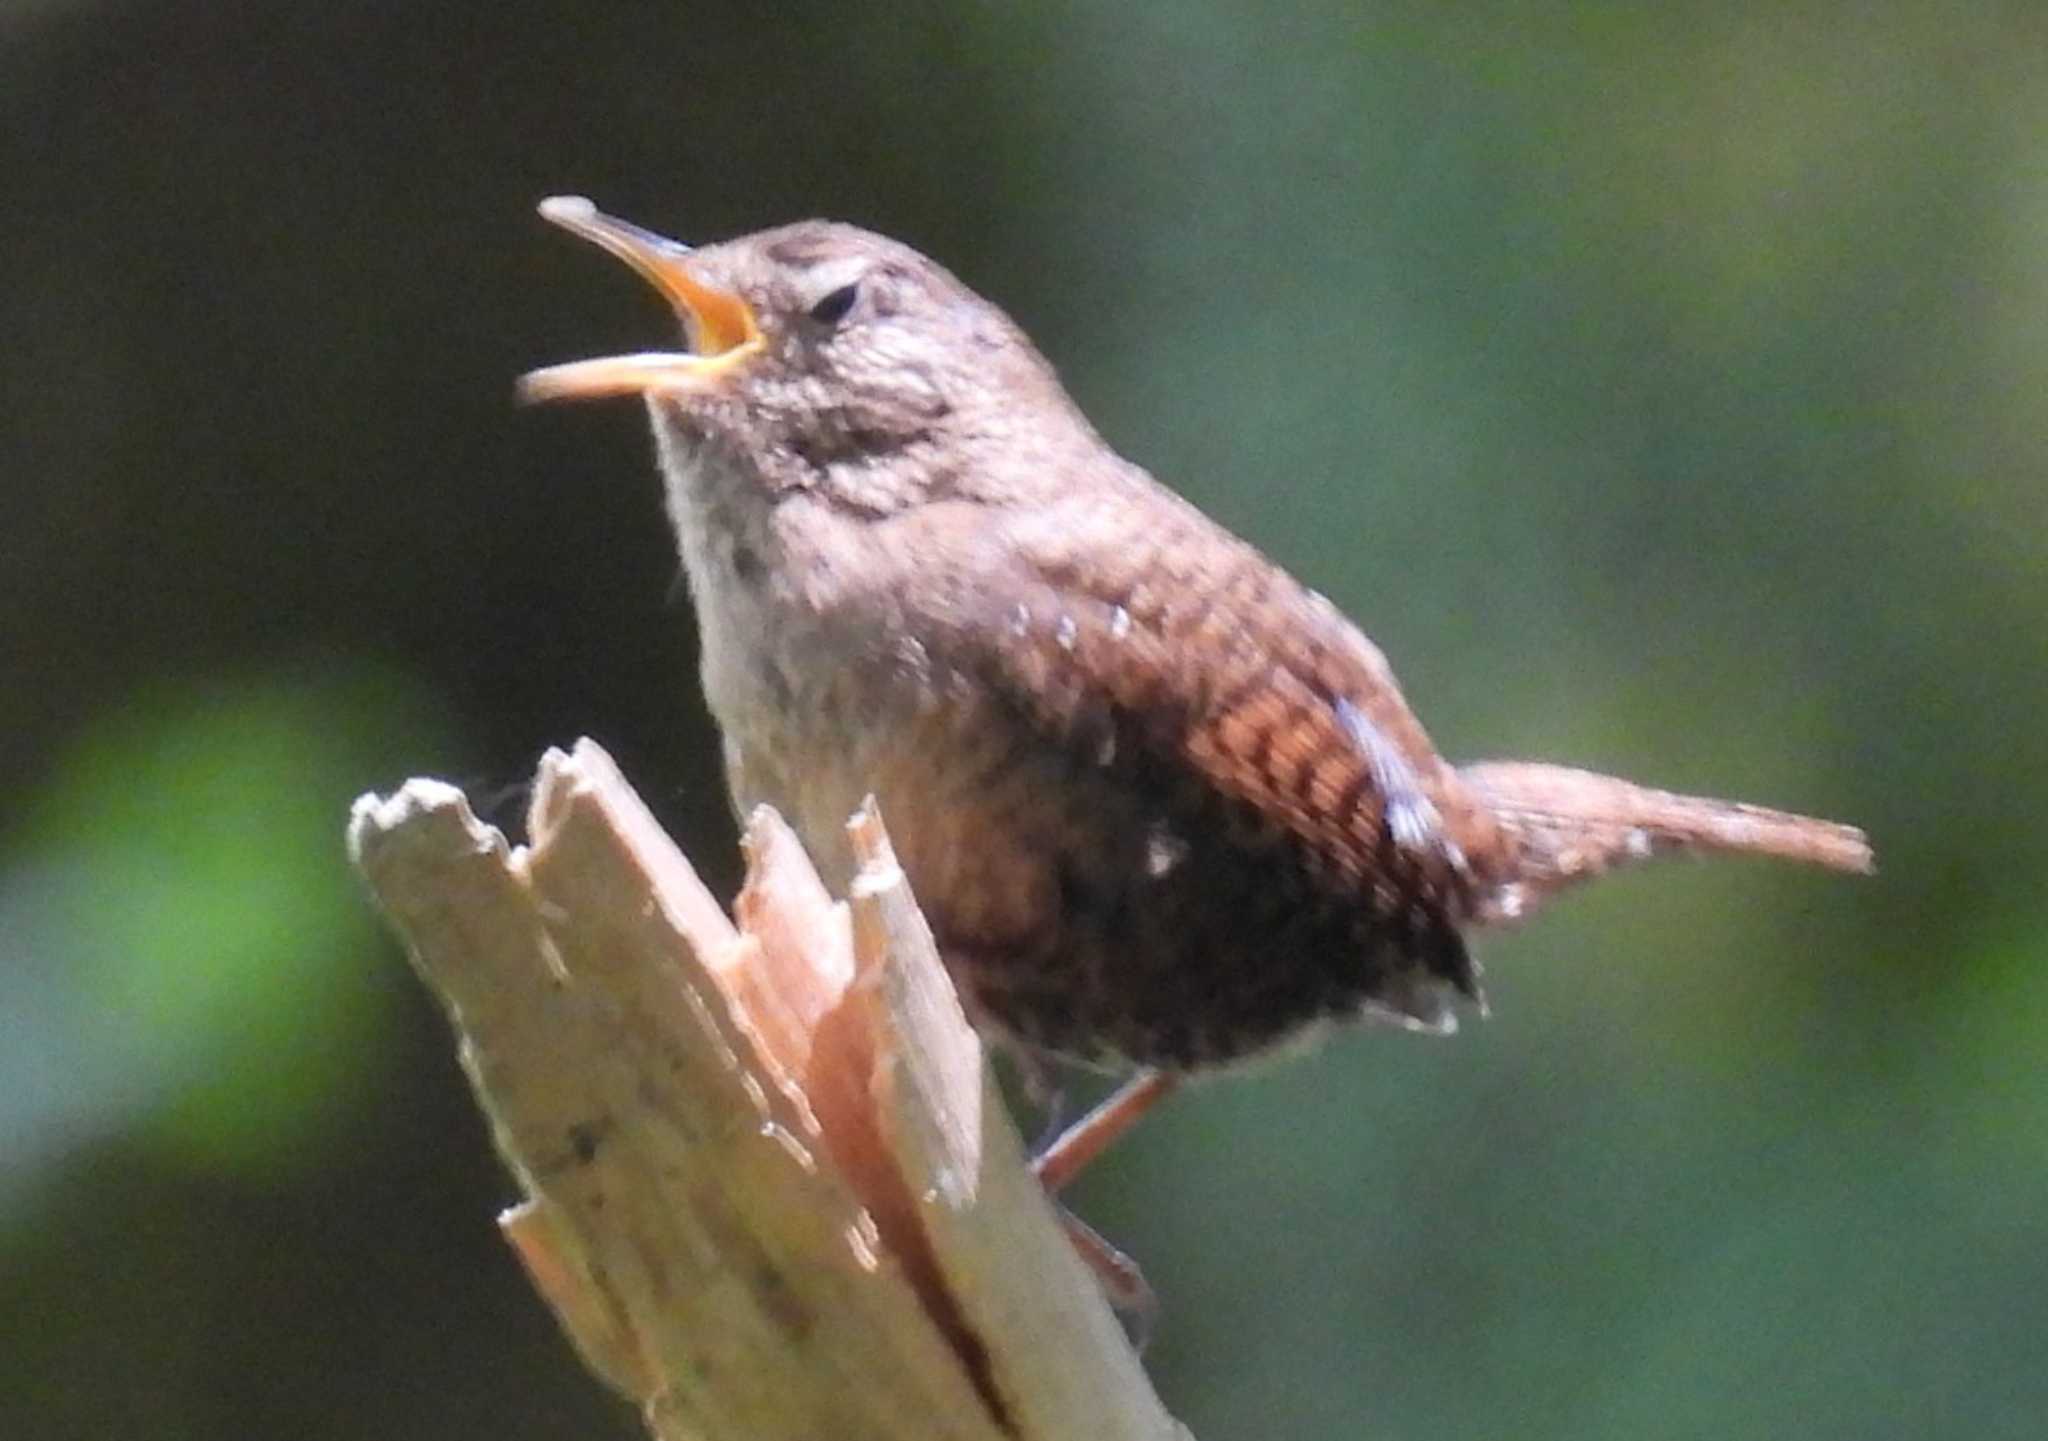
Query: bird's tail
[(1561, 826)]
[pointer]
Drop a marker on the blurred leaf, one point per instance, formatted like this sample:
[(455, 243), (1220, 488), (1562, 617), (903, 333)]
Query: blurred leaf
[(199, 947), (1989, 1071)]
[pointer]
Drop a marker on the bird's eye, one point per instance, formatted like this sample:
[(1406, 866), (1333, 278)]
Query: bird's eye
[(831, 308)]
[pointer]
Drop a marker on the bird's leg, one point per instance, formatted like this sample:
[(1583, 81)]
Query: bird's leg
[(1118, 1275), (1071, 1151)]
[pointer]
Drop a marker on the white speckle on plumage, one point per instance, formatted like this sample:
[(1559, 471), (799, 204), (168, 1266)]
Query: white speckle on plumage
[(1066, 633), (1510, 901), (1119, 623), (1413, 821), (1163, 850)]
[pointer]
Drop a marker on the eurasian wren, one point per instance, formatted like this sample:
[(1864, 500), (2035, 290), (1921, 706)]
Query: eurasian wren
[(1163, 805)]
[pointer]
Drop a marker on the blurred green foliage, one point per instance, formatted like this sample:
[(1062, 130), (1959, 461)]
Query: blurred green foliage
[(1660, 386), (202, 954)]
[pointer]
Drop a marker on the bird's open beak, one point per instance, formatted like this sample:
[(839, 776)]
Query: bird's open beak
[(718, 326)]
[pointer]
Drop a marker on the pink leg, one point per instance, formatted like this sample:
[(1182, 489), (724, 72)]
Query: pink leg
[(1070, 1154), (1116, 1273)]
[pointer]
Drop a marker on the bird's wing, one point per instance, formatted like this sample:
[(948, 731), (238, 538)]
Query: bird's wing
[(1151, 639)]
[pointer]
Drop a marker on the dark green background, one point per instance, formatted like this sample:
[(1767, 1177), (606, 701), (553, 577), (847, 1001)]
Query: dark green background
[(1662, 387)]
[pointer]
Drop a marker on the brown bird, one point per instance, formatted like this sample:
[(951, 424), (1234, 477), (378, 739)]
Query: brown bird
[(1163, 805)]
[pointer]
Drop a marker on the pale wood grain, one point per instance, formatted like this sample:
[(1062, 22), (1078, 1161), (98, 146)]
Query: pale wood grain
[(771, 1190)]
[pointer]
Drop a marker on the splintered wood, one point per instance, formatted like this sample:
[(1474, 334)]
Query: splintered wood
[(771, 1189)]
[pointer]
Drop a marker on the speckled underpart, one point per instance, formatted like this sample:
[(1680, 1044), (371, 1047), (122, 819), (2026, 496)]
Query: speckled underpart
[(1162, 804)]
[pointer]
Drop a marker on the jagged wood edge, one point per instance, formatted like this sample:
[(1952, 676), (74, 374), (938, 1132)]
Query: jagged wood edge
[(1005, 1259), (643, 1067)]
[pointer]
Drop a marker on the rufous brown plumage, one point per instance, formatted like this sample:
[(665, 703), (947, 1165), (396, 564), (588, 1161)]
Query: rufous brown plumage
[(1162, 804)]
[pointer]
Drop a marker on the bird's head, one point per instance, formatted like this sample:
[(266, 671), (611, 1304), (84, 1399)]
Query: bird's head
[(824, 358)]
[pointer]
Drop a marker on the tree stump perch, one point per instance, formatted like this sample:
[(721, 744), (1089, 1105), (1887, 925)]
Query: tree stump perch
[(771, 1189)]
